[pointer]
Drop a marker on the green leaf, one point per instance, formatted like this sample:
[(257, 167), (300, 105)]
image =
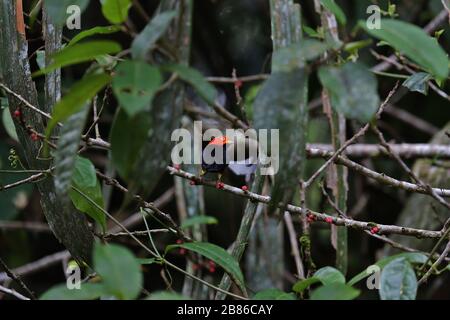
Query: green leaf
[(57, 9), (151, 33), (167, 295), (281, 104), (335, 291), (87, 291), (120, 270), (196, 220), (418, 82), (273, 294), (86, 185), (412, 257), (78, 53), (84, 173), (8, 124), (336, 10), (128, 135), (413, 42), (398, 281), (302, 285), (329, 275), (294, 56), (116, 11), (135, 84), (352, 89), (80, 93), (93, 31), (196, 80), (218, 255)]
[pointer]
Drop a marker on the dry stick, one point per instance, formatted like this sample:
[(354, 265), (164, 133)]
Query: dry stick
[(29, 226), (320, 217), (383, 178), (411, 120), (436, 264), (383, 238), (13, 293), (405, 168), (360, 133), (17, 279), (294, 245), (33, 178), (57, 257)]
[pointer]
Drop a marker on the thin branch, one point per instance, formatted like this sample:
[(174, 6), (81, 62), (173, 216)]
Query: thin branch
[(319, 217), (294, 245), (350, 141), (13, 293), (17, 279)]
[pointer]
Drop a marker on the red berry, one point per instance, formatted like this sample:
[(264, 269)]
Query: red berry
[(238, 84), (34, 136), (17, 113), (374, 230), (211, 264), (182, 251), (179, 241), (329, 220), (177, 166), (212, 269), (220, 185), (192, 183), (244, 188)]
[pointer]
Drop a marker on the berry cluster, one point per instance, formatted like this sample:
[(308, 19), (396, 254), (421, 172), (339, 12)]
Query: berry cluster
[(310, 218), (220, 185), (33, 135), (375, 230)]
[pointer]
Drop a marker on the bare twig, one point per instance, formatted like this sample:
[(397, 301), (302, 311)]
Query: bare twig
[(17, 279), (294, 245), (13, 293)]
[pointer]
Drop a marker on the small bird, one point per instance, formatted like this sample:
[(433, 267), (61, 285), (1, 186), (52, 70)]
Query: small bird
[(222, 142)]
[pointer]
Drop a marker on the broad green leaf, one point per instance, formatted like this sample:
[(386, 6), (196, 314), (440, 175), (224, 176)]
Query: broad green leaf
[(335, 291), (218, 255), (412, 257), (128, 135), (116, 11), (196, 80), (66, 155), (413, 42), (84, 173), (329, 275), (196, 220), (93, 31), (294, 56), (336, 10), (57, 10), (352, 89), (119, 269), (302, 285), (89, 200), (8, 124), (418, 82), (80, 93), (398, 281), (87, 291), (135, 84), (166, 295), (273, 294), (151, 33), (78, 53), (281, 104)]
